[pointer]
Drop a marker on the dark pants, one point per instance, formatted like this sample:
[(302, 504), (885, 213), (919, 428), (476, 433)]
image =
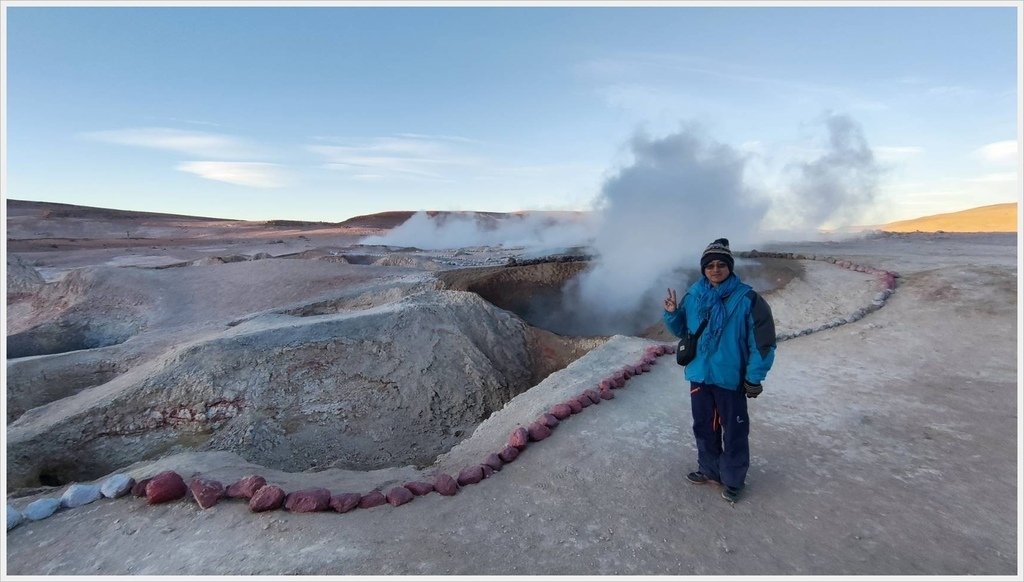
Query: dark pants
[(721, 427)]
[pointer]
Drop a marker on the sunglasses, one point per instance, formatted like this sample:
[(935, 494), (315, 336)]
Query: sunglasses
[(716, 265)]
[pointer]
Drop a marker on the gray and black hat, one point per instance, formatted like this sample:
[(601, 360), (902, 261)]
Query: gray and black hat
[(718, 250)]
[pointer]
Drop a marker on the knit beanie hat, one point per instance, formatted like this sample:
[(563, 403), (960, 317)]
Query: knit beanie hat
[(718, 250)]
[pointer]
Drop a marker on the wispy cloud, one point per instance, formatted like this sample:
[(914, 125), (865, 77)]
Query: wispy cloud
[(193, 143), (997, 178), (403, 156), (1000, 153), (254, 174)]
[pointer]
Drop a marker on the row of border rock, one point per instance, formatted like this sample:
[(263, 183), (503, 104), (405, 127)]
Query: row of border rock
[(886, 287), (262, 496)]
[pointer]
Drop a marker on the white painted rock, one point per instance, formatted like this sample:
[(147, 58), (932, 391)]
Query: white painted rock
[(116, 486), (79, 494), (14, 517), (42, 508)]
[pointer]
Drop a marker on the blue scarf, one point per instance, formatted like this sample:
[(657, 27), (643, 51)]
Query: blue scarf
[(712, 307)]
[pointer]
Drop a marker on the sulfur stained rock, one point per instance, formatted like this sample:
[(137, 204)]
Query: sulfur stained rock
[(539, 431), (399, 496), (206, 492), (471, 475), (519, 438), (308, 500), (446, 485), (561, 411), (372, 499), (419, 487), (508, 454), (345, 502), (246, 486), (164, 487), (267, 498)]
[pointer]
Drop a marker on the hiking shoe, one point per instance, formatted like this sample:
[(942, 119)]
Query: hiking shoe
[(731, 494), (698, 478)]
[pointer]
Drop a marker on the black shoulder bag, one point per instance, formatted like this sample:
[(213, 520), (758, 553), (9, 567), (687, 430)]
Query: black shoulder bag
[(687, 348)]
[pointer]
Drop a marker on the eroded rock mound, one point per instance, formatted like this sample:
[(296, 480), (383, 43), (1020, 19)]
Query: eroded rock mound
[(388, 386)]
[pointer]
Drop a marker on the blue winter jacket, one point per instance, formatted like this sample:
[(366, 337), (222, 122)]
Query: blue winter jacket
[(746, 348)]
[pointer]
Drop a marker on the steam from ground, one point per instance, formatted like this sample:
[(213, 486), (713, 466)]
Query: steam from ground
[(471, 229), (838, 186), (683, 191)]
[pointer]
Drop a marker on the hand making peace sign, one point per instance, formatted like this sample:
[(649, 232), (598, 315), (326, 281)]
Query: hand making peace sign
[(670, 301)]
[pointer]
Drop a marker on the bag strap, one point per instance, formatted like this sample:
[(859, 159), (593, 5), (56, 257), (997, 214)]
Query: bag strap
[(700, 329)]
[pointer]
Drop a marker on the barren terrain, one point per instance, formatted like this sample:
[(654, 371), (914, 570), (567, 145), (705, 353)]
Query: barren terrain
[(884, 443)]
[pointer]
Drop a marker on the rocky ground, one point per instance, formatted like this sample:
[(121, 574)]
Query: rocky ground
[(884, 446)]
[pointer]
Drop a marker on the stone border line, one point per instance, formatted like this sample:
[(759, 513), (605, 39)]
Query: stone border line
[(886, 284), (261, 496)]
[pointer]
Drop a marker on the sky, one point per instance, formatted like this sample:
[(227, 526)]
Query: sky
[(824, 116)]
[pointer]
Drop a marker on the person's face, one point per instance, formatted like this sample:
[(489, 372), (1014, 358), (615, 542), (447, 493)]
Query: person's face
[(716, 272)]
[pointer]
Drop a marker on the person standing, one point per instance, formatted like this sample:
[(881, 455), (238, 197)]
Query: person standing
[(734, 354)]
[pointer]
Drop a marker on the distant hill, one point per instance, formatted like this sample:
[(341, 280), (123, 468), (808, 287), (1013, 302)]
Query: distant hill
[(994, 218)]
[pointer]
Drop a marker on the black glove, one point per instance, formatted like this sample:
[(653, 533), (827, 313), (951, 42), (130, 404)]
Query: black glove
[(752, 390)]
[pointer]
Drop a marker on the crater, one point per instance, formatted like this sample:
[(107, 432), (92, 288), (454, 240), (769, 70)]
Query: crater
[(65, 336)]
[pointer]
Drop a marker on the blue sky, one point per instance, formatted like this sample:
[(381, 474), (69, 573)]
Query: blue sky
[(324, 113)]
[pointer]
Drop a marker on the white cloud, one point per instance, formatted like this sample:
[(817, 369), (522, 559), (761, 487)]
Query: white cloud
[(404, 156), (1001, 153), (193, 143), (254, 174)]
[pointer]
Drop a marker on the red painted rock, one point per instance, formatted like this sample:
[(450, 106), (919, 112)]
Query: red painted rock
[(539, 431), (619, 380), (139, 489), (164, 487), (471, 475), (639, 369), (550, 420), (574, 405), (419, 487), (508, 454), (372, 499), (399, 496), (446, 485), (584, 400), (246, 486), (267, 498), (561, 411), (593, 395), (345, 502), (645, 368), (605, 384), (487, 471), (519, 438), (606, 394), (206, 492), (494, 461), (889, 281), (308, 500), (627, 372)]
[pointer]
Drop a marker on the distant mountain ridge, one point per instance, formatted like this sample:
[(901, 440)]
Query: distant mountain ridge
[(992, 218)]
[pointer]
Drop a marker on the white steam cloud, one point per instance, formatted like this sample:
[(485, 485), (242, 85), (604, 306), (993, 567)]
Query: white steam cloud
[(470, 229)]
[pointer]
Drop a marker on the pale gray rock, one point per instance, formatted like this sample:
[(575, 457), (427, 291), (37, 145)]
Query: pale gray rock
[(14, 517), (116, 486), (79, 494), (42, 508)]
